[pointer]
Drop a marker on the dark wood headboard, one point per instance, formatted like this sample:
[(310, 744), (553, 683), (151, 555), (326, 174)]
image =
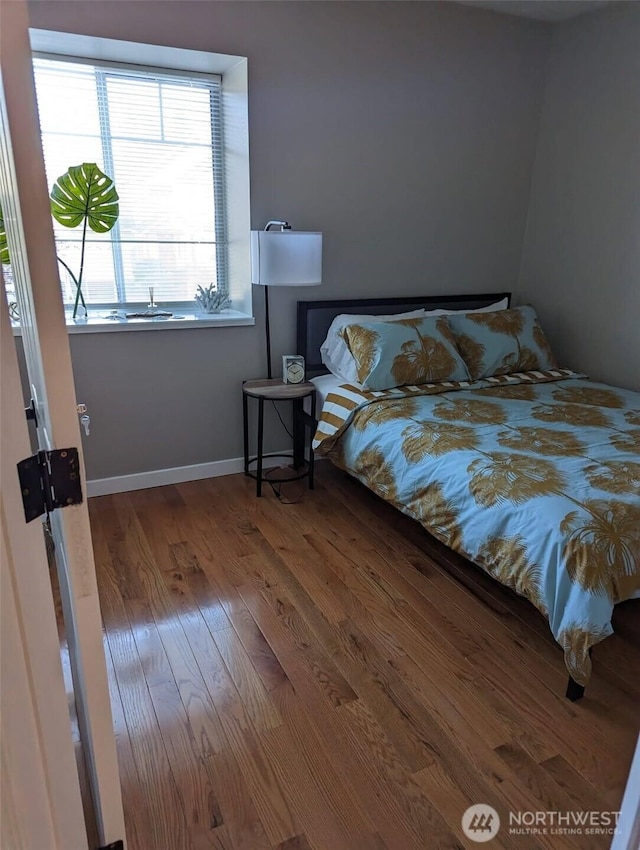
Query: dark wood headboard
[(315, 317)]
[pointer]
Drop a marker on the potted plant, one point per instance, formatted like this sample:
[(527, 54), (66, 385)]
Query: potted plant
[(84, 195)]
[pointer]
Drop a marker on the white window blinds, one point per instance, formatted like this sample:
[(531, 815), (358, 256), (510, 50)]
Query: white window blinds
[(158, 135)]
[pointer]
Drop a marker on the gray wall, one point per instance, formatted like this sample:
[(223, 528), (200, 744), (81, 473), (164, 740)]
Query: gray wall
[(405, 132), (581, 261)]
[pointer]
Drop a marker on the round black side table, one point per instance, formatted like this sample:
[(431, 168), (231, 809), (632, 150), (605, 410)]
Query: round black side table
[(272, 389)]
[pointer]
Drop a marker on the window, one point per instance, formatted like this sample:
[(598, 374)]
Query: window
[(158, 135), (171, 127)]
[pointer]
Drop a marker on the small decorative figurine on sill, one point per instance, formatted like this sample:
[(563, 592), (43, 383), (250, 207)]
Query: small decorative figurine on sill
[(211, 299)]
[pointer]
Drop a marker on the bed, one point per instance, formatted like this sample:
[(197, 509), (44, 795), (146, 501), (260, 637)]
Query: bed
[(533, 476)]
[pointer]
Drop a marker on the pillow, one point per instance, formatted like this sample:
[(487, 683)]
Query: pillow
[(501, 342), (334, 351), (503, 304), (404, 352)]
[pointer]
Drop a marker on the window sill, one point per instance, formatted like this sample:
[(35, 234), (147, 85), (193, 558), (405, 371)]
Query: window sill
[(99, 323)]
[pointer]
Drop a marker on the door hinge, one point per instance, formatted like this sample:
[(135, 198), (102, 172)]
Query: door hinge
[(49, 480), (115, 845), (31, 412)]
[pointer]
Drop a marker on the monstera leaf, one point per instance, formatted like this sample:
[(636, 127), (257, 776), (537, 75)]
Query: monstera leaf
[(4, 248), (85, 195)]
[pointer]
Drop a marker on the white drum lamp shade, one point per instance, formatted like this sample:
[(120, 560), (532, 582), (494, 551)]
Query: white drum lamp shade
[(286, 258)]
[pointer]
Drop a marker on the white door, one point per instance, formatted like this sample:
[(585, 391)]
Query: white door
[(41, 804), (25, 203)]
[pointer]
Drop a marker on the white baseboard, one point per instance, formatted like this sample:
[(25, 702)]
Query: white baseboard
[(173, 475)]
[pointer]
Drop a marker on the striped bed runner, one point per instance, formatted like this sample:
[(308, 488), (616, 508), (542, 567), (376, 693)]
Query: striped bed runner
[(340, 405)]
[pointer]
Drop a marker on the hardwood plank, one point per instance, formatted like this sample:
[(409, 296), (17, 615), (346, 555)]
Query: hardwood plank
[(452, 801), (210, 586), (457, 712), (251, 690), (298, 842), (244, 830), (495, 713), (343, 652), (160, 525), (439, 667), (151, 650), (301, 786), (201, 807), (257, 648), (231, 525), (360, 600), (165, 643), (137, 816), (440, 664), (547, 794), (567, 730), (253, 694), (315, 681), (272, 805), (341, 749), (370, 783), (292, 547), (583, 794), (184, 735), (448, 754), (160, 794), (316, 664), (241, 737), (187, 571), (518, 800), (333, 787), (417, 813)]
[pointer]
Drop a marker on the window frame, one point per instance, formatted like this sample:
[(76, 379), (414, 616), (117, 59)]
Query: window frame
[(102, 70), (233, 249)]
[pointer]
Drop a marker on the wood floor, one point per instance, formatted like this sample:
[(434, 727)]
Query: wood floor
[(300, 676)]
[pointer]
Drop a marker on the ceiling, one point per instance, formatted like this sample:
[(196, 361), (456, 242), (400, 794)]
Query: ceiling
[(541, 10)]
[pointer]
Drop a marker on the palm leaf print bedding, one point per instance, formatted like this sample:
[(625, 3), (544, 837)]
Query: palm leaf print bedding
[(533, 476)]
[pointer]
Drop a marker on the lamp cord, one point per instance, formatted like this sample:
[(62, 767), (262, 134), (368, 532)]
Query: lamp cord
[(282, 422), (275, 485), (276, 488)]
